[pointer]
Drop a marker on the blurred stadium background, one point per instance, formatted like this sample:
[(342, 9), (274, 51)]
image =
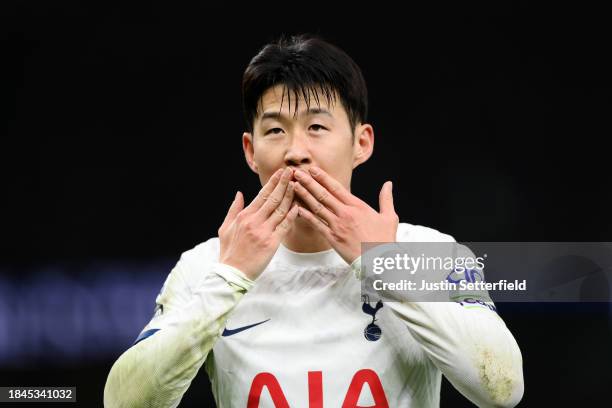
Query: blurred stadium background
[(121, 149)]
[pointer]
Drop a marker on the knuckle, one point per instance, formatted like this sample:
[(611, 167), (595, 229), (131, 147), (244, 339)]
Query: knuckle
[(337, 236), (318, 208), (347, 216), (284, 225), (280, 212), (274, 200), (323, 196), (247, 224), (266, 242), (341, 234), (254, 236)]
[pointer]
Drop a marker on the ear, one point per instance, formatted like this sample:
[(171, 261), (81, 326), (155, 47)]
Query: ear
[(363, 145), (249, 151)]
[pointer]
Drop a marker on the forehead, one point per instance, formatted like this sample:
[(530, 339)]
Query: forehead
[(279, 99)]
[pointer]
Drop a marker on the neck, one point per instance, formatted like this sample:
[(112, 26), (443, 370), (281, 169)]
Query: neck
[(304, 238)]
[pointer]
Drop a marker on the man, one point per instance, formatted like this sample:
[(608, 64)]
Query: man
[(272, 306)]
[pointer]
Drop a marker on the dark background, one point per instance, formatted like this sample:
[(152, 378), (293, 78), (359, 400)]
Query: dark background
[(121, 132)]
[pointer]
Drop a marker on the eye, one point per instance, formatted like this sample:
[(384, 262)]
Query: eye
[(274, 131), (317, 127)]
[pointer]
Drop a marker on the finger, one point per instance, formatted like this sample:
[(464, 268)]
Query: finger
[(331, 184), (265, 192), (316, 222), (316, 207), (285, 226), (276, 196), (235, 208), (385, 199), (280, 212), (320, 193)]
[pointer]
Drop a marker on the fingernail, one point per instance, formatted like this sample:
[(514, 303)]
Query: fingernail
[(314, 170), (236, 196), (391, 185), (299, 174)]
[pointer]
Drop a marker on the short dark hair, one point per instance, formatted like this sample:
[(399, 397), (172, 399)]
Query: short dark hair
[(305, 65)]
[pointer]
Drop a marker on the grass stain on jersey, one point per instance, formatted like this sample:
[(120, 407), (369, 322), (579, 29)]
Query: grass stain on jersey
[(496, 374)]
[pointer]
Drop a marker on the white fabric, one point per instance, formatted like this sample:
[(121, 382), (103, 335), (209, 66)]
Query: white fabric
[(310, 316)]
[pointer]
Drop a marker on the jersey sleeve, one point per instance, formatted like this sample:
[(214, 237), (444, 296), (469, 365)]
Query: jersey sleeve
[(466, 340), (472, 347), (191, 312)]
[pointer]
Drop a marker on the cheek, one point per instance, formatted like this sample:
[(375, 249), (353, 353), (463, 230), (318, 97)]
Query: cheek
[(337, 161), (337, 156), (264, 156), (267, 163), (340, 170)]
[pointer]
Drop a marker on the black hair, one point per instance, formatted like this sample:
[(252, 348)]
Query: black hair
[(305, 65)]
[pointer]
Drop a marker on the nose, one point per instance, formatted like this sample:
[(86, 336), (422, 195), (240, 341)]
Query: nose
[(298, 151)]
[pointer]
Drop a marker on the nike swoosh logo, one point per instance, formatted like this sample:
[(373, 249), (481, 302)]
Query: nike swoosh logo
[(231, 332)]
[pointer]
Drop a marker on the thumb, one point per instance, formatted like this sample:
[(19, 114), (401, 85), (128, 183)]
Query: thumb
[(235, 208), (385, 199)]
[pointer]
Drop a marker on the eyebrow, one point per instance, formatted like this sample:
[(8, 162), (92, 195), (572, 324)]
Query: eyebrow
[(311, 111)]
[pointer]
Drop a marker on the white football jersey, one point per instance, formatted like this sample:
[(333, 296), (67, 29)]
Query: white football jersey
[(302, 335)]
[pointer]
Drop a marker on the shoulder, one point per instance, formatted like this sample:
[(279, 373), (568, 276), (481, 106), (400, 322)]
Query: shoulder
[(419, 233), (205, 252), (197, 260), (192, 267), (188, 274)]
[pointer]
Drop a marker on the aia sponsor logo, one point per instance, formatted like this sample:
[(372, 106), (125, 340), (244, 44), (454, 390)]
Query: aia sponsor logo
[(315, 390)]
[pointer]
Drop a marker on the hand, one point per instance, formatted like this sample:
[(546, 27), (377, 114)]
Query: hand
[(250, 236), (345, 220)]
